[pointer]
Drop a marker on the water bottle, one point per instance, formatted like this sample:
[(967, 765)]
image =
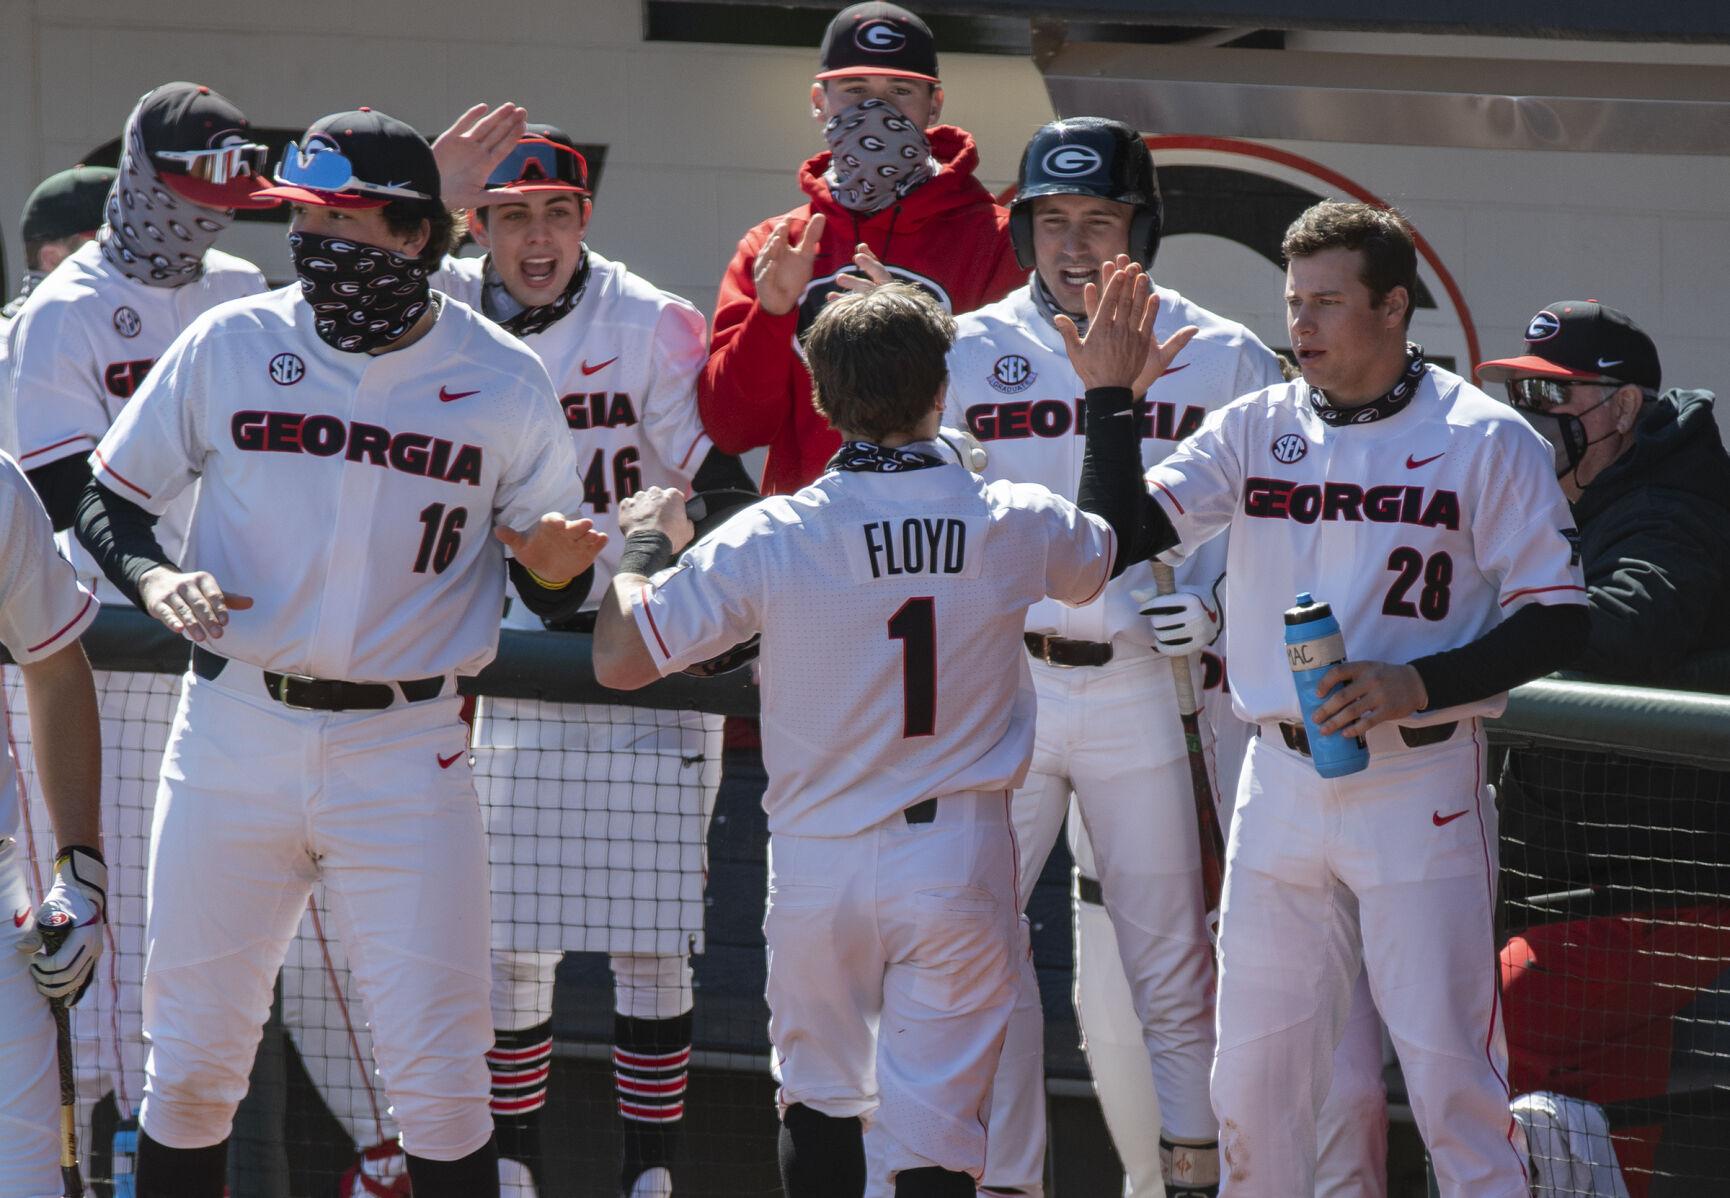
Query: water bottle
[(125, 1152), (1313, 646)]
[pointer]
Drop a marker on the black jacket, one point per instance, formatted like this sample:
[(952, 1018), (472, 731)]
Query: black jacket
[(1655, 544)]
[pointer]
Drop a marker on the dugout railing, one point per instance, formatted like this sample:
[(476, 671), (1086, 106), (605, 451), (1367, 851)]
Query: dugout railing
[(286, 1143)]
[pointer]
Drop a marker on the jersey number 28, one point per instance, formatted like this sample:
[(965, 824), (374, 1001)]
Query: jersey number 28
[(1408, 566)]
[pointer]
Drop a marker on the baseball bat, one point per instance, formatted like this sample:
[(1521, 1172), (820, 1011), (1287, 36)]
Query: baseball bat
[(70, 1180), (1212, 839)]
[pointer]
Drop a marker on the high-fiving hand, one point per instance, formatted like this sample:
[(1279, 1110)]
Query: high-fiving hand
[(784, 266), (555, 549), (1120, 348), (467, 152)]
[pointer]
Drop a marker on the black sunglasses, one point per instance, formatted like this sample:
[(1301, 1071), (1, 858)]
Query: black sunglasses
[(1540, 395)]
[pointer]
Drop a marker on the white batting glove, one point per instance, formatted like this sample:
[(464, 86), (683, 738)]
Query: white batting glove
[(969, 453), (1183, 621), (67, 938)]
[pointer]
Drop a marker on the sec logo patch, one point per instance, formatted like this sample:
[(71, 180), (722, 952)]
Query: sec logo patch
[(1011, 373), (127, 322), (1290, 448), (287, 369)]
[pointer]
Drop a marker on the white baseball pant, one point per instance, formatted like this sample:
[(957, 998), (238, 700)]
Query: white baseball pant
[(891, 976), (1391, 871), (257, 802), (29, 1085)]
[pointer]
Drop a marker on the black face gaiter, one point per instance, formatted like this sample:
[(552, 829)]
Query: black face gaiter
[(363, 297)]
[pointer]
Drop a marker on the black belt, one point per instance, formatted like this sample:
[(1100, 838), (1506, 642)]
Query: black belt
[(923, 812), (1088, 890), (324, 694), (1297, 737), (1061, 651)]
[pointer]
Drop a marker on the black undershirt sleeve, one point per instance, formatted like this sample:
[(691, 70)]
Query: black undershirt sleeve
[(60, 485), (1538, 639), (721, 471), (1111, 483), (552, 604), (121, 536)]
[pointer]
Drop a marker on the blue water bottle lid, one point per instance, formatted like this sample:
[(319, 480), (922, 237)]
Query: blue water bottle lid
[(1304, 599)]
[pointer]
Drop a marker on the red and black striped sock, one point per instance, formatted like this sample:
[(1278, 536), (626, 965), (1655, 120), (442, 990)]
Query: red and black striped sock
[(521, 1064), (651, 1062)]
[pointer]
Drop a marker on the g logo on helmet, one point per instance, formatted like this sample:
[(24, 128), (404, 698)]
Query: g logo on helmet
[(1544, 326), (1070, 162), (879, 37)]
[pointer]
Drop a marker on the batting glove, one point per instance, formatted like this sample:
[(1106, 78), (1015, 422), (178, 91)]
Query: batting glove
[(1183, 621), (67, 938)]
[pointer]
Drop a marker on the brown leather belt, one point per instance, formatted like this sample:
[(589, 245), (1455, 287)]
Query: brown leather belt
[(1061, 651), (1297, 737), (324, 694)]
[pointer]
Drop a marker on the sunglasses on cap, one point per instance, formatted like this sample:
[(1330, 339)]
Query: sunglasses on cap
[(1540, 395), (536, 160), (323, 167), (220, 165)]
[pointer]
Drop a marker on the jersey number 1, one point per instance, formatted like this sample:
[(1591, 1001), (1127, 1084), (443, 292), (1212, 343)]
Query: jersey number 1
[(914, 624)]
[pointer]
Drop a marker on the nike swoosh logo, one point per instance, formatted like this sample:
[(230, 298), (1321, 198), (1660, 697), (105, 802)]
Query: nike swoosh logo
[(446, 762), (1606, 363), (1413, 463), (451, 396), (588, 370), (1442, 821), (18, 917)]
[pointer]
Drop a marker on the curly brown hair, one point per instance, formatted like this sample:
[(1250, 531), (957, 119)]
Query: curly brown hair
[(879, 360)]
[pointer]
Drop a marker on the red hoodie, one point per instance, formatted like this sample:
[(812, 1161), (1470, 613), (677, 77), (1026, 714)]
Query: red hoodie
[(947, 235)]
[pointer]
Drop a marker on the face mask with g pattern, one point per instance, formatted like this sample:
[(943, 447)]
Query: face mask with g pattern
[(877, 156), (149, 233), (363, 297)]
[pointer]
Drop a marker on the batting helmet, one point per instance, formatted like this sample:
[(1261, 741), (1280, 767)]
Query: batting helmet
[(1088, 156)]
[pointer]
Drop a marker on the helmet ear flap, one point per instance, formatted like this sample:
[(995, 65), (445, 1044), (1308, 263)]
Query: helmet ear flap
[(1144, 235), (1021, 233)]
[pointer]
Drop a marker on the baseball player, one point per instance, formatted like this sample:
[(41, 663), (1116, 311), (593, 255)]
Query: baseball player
[(61, 214), (51, 958), (897, 715), (1428, 516), (635, 784), (83, 344), (365, 449), (1108, 729)]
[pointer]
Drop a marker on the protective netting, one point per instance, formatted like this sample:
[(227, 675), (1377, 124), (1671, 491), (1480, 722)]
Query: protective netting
[(1616, 961)]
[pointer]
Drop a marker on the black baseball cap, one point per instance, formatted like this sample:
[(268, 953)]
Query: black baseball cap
[(1582, 340), (183, 125), (70, 202), (359, 159), (878, 39)]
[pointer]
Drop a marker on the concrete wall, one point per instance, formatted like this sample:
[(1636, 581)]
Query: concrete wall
[(703, 140)]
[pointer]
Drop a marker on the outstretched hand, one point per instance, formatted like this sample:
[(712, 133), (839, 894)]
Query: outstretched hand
[(472, 147), (1120, 348), (872, 274), (193, 605), (784, 266), (555, 549)]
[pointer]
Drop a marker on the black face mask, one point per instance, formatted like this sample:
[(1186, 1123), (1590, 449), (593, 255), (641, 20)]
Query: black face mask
[(363, 297), (1566, 434)]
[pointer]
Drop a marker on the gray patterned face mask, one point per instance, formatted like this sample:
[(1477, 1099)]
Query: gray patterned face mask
[(878, 156), (150, 233)]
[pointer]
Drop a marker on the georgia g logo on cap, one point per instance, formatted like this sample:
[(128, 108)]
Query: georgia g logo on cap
[(1544, 326), (879, 37), (1068, 162)]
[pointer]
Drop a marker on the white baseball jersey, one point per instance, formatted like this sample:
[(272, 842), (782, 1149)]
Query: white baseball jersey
[(352, 496), (8, 410), (1011, 385), (43, 608), (1423, 529), (82, 346), (891, 608), (624, 362)]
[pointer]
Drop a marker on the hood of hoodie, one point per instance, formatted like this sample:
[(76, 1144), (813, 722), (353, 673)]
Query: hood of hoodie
[(953, 186), (1676, 446)]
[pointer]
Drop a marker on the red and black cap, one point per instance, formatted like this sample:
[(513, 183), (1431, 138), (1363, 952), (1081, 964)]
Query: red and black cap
[(359, 159), (878, 39), (544, 159), (201, 146), (1581, 340)]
